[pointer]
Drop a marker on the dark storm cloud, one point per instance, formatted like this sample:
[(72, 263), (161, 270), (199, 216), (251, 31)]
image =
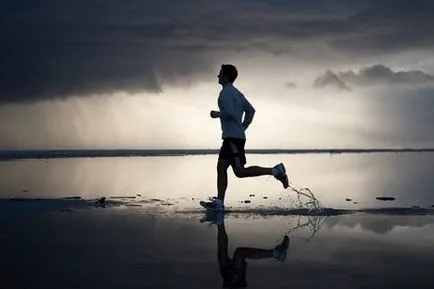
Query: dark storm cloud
[(373, 75), (56, 49), (390, 26)]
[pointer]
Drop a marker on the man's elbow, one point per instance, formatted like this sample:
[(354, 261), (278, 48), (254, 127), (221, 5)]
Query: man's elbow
[(250, 110)]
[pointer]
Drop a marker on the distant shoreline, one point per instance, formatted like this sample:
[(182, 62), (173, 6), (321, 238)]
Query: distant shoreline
[(6, 155)]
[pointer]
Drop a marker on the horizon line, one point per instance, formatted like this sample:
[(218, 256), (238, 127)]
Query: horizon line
[(86, 153)]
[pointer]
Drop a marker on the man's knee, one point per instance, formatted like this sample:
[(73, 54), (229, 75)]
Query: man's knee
[(239, 171)]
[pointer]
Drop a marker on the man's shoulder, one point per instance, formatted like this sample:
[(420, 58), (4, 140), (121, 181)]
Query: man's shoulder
[(231, 89), (227, 90), (230, 92)]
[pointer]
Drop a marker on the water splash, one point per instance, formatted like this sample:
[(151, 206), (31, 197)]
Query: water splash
[(311, 204)]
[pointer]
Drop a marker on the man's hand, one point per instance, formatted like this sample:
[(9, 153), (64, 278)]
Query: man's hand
[(214, 114)]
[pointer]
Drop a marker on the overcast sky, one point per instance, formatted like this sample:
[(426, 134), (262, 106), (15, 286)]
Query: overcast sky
[(143, 74)]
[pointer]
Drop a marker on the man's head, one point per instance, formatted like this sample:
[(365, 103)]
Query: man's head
[(228, 74)]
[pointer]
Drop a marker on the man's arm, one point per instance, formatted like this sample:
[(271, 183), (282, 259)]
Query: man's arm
[(249, 113)]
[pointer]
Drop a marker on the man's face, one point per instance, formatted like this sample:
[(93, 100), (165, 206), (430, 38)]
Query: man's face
[(221, 78)]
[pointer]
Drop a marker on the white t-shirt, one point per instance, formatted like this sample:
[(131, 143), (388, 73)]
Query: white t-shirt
[(232, 104)]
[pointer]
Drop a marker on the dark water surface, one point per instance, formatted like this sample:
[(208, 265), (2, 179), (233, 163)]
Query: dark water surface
[(132, 248)]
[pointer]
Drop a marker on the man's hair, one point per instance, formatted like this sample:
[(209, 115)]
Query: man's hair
[(230, 71)]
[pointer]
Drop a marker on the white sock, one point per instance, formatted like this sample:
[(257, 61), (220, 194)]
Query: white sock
[(218, 201)]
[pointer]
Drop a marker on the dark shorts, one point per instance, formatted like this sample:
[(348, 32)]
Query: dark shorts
[(232, 149)]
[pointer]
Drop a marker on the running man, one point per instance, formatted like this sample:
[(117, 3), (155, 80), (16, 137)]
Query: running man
[(233, 104)]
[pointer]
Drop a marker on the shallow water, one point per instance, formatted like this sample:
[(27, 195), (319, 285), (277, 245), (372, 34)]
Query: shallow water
[(345, 181), (151, 233)]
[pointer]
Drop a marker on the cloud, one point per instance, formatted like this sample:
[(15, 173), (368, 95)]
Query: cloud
[(382, 27), (380, 74), (59, 70), (51, 49), (373, 75), (328, 79)]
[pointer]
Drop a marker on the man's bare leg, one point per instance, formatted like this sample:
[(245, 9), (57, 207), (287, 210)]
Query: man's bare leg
[(277, 171), (252, 171), (222, 178)]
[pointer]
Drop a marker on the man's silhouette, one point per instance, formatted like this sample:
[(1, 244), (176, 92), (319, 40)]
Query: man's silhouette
[(233, 104)]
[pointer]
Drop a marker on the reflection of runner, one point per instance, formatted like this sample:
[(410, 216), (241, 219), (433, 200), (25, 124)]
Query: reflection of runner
[(232, 106), (233, 270)]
